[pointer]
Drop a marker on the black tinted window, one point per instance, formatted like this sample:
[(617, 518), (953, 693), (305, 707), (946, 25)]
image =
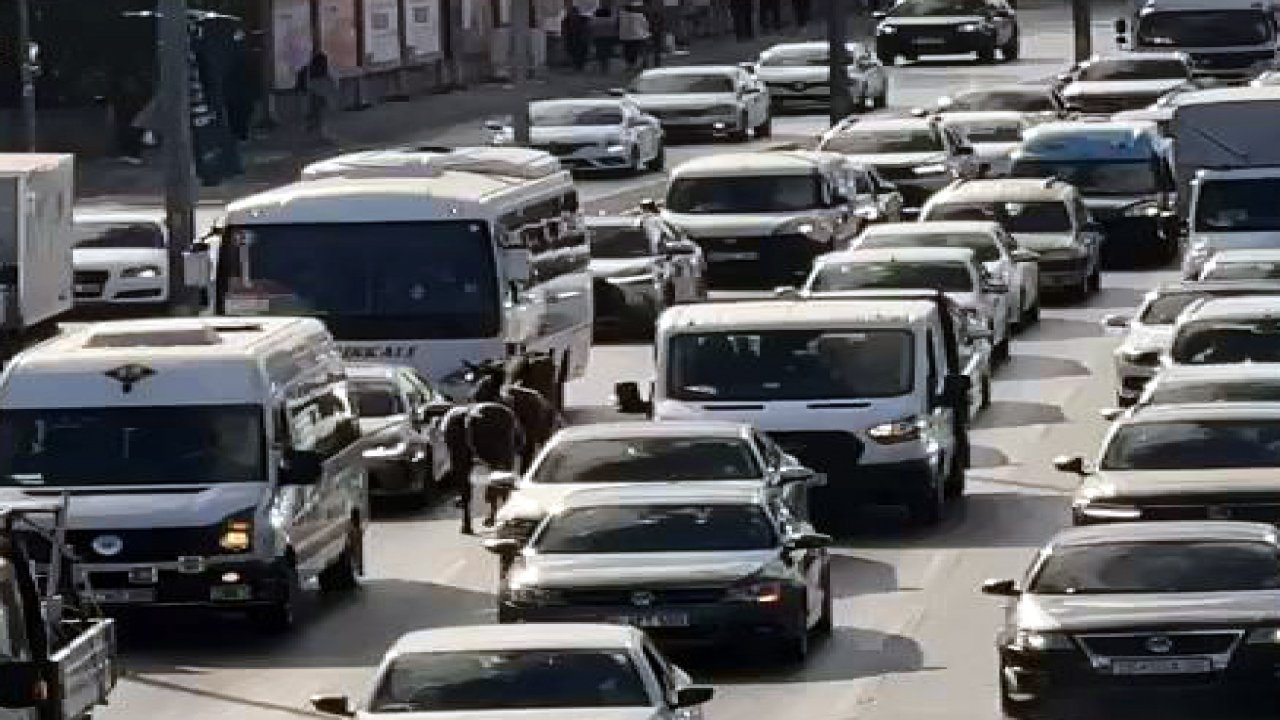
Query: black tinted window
[(1135, 69), (1219, 343), (647, 460), (564, 114), (1238, 205), (657, 528), (983, 246), (925, 8), (884, 141), (951, 277), (1194, 444), (118, 235), (766, 193), (1166, 567), (620, 242), (662, 84), (1029, 100), (1165, 309)]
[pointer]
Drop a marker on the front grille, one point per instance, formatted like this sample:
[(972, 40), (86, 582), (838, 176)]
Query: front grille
[(563, 148), (1179, 643), (824, 451), (140, 545), (760, 263), (651, 597)]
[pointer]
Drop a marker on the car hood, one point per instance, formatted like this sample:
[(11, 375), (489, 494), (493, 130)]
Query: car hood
[(576, 133), (118, 257), (533, 501), (1237, 240), (1153, 610), (1140, 484), (683, 101), (900, 159), (809, 73), (620, 267), (932, 21), (1046, 242), (1121, 88), (699, 225), (133, 507), (1149, 337), (595, 713), (622, 569)]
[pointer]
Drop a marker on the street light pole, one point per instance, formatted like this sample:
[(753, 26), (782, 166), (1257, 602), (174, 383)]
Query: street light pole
[(838, 61), (520, 68), (27, 76), (175, 106), (1082, 22)]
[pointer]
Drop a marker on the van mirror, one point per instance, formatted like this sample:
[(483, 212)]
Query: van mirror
[(629, 401), (23, 686), (434, 410), (1111, 414), (503, 547), (1070, 464), (879, 15), (617, 92), (197, 266), (519, 264), (650, 205), (302, 467), (1115, 321), (338, 705)]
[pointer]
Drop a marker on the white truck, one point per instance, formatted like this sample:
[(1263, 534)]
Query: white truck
[(36, 238), (1229, 40)]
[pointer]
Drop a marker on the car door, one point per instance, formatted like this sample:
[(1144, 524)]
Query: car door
[(941, 416), (672, 266), (691, 265), (430, 431), (888, 199), (1025, 273)]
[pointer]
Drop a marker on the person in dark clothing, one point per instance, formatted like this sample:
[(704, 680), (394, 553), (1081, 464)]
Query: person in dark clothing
[(575, 30), (321, 90), (770, 15), (453, 429), (658, 30), (241, 94), (742, 22), (604, 34), (800, 8), (493, 431)]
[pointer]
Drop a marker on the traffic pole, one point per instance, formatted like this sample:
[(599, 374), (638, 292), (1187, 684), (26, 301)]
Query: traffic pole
[(27, 76), (520, 68), (838, 61), (174, 102), (1082, 21)]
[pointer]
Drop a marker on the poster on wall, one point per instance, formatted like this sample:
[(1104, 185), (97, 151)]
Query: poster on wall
[(381, 32), (422, 27), (338, 25), (291, 40)]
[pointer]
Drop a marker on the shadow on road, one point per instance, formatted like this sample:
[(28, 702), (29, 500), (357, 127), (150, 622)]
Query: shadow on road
[(986, 520), (1019, 413), (852, 576), (1050, 329), (1040, 367), (982, 456), (1118, 298), (848, 654)]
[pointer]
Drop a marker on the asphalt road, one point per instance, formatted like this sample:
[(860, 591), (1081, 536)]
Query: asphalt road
[(913, 638)]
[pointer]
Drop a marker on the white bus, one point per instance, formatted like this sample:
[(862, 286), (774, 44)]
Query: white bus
[(428, 258)]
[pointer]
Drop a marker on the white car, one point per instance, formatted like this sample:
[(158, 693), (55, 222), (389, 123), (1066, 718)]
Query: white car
[(955, 271), (998, 252), (534, 671), (799, 74), (120, 260), (704, 99), (1243, 265), (994, 135), (592, 134)]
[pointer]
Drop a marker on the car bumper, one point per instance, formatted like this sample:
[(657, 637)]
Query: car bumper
[(940, 42), (698, 125), (221, 582)]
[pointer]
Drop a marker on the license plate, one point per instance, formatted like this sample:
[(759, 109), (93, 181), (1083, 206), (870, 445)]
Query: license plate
[(229, 592), (88, 288), (929, 41), (655, 620), (125, 595), (731, 256), (1163, 666)]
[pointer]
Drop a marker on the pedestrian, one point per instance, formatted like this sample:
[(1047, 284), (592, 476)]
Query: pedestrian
[(453, 430), (604, 33), (770, 15), (743, 26), (575, 29), (130, 96), (633, 31), (674, 14), (800, 8), (655, 14), (321, 92)]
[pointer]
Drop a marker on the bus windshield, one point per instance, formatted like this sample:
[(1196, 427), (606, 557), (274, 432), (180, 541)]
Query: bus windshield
[(367, 281)]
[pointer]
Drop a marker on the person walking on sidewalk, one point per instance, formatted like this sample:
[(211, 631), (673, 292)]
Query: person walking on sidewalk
[(575, 28), (770, 16), (321, 90), (743, 27), (604, 33), (800, 9), (633, 30)]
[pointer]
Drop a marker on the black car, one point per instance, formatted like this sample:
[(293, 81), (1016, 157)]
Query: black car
[(914, 28), (1128, 606)]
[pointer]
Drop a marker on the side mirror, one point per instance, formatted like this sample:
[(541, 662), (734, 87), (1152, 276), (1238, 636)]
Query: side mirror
[(24, 686), (879, 15), (748, 66), (1064, 77), (519, 264), (1114, 321), (197, 266), (919, 112), (629, 401), (650, 205), (978, 331), (1069, 464), (786, 292), (807, 541), (955, 391), (693, 695), (869, 214), (1001, 588), (333, 705), (502, 547), (302, 467), (1110, 414), (794, 474), (617, 92), (1025, 256), (998, 288)]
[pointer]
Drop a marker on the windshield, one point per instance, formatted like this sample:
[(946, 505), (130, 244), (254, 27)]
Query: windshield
[(170, 445), (926, 8), (1092, 177), (657, 459), (983, 246), (791, 365), (1269, 270), (1238, 205), (988, 131), (1194, 445), (1203, 28), (836, 277), (1211, 391), (563, 114), (1135, 69), (377, 399), (509, 680), (656, 528), (884, 141), (620, 242), (368, 280), (1029, 100), (1158, 567), (1032, 217), (671, 83), (1164, 309), (739, 194), (118, 235), (1227, 342)]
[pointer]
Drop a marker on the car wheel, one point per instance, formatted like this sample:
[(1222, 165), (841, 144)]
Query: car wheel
[(954, 486), (987, 55), (1095, 280), (1016, 709), (423, 483), (928, 506), (743, 131), (344, 574), (659, 161), (826, 621), (765, 129), (278, 617)]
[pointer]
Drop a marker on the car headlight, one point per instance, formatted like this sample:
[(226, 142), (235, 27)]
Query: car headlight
[(141, 271), (387, 449), (1264, 636), (1108, 511), (632, 279), (237, 536), (616, 148), (531, 595), (763, 592), (931, 169), (1041, 641), (886, 30), (1148, 208), (1140, 357), (970, 28), (899, 431)]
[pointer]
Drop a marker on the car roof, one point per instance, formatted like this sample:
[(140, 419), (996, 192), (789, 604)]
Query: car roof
[(932, 227), (1253, 255), (670, 493), (1024, 88), (521, 636), (693, 70), (864, 125), (609, 101), (653, 429), (810, 313), (1230, 373), (772, 163), (1261, 410), (820, 45), (1005, 190), (1252, 307), (1168, 531), (140, 217), (904, 255), (1267, 173)]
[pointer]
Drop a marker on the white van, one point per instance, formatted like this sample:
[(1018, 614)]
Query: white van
[(210, 462), (868, 390), (420, 257)]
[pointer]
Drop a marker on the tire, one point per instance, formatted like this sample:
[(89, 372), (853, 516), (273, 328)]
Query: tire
[(344, 574), (928, 506), (742, 133), (985, 401), (280, 617), (1031, 315), (1010, 50), (425, 483), (765, 129), (826, 621), (882, 100), (659, 161), (1095, 280), (987, 55), (1000, 353)]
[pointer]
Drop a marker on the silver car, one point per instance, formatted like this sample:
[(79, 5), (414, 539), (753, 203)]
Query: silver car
[(640, 266), (592, 134), (798, 74), (721, 100)]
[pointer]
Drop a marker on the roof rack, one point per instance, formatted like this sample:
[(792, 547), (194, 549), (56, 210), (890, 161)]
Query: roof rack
[(431, 161)]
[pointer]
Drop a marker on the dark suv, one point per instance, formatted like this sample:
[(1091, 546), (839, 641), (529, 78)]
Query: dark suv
[(914, 28)]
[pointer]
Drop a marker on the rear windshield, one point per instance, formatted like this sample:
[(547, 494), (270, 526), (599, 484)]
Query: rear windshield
[(983, 246), (1020, 217), (1211, 391), (1164, 309), (657, 459), (1135, 69), (885, 141), (620, 242), (1029, 100), (1219, 343), (1194, 445), (836, 277), (765, 193), (656, 528), (978, 131), (1158, 567)]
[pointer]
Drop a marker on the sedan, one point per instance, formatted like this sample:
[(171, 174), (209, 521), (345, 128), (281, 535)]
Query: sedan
[(1103, 85), (799, 74), (704, 99), (120, 262), (1193, 384), (606, 134), (530, 672), (641, 265), (918, 155), (689, 564), (398, 410), (913, 28), (1127, 606), (1039, 103)]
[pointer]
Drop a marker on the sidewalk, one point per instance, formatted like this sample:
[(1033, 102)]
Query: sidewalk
[(448, 118)]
